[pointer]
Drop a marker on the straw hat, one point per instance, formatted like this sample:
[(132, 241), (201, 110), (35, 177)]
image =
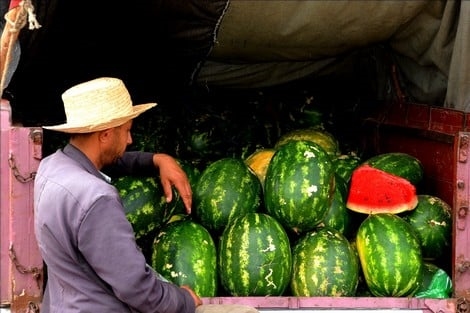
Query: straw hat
[(98, 104)]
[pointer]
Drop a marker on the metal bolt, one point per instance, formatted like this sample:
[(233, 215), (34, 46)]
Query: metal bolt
[(36, 136), (463, 212)]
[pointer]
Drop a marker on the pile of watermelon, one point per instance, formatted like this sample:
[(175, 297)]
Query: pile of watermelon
[(300, 218)]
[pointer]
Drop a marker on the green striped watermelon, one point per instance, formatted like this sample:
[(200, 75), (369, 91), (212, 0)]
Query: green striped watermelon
[(193, 173), (324, 264), (185, 254), (255, 257), (390, 255), (299, 185), (432, 221), (400, 164), (345, 164), (226, 189), (338, 216), (144, 203)]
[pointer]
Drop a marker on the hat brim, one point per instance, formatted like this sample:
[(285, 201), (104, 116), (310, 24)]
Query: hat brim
[(101, 125)]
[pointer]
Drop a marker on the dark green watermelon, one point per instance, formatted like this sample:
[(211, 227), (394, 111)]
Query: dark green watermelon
[(390, 255), (185, 254), (339, 216), (144, 203), (226, 189), (324, 264), (193, 174), (436, 283), (299, 185), (345, 164), (432, 221)]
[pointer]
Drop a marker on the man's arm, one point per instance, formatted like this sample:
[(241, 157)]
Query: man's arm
[(152, 164)]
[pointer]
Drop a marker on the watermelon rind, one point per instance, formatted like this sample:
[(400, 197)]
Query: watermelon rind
[(390, 255), (255, 257), (324, 264)]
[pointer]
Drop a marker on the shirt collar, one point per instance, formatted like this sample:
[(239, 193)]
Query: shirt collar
[(74, 153)]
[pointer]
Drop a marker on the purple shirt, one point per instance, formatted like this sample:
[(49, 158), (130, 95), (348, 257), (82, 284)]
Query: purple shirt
[(83, 234)]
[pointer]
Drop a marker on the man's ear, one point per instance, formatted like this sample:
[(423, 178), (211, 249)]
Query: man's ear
[(104, 135)]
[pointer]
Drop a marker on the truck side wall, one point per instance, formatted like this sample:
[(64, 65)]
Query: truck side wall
[(21, 263)]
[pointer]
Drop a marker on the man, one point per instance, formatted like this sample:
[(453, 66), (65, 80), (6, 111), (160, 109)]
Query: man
[(93, 262)]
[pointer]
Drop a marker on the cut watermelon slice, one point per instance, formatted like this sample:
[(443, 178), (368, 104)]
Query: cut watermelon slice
[(375, 191)]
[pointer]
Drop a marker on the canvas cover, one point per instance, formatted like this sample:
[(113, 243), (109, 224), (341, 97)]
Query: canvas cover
[(160, 47), (265, 42)]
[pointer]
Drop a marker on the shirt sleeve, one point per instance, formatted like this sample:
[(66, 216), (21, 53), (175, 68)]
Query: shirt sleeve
[(132, 163), (107, 242)]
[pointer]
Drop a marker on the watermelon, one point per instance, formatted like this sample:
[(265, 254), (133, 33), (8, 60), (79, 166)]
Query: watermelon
[(338, 216), (145, 207), (185, 254), (193, 173), (390, 255), (436, 283), (324, 264), (226, 189), (299, 185), (258, 162), (255, 257), (373, 191), (319, 136), (400, 164), (432, 221), (429, 269), (144, 203), (345, 164)]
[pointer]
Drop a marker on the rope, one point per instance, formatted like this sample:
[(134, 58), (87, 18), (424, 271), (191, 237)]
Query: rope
[(16, 19), (25, 12)]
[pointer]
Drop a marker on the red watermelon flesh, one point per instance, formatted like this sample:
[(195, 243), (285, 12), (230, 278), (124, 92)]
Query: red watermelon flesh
[(375, 191)]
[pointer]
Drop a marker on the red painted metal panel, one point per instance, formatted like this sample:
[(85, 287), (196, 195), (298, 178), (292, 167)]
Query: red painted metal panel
[(21, 261), (442, 145)]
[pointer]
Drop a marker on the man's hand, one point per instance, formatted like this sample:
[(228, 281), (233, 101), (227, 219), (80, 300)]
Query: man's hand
[(171, 174), (197, 300)]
